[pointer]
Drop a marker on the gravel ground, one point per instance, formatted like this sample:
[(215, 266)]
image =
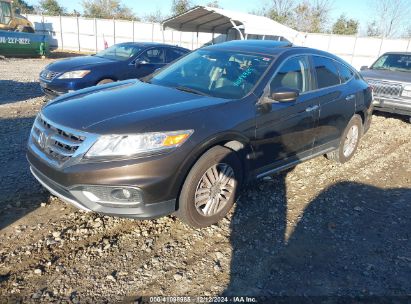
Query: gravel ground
[(318, 229)]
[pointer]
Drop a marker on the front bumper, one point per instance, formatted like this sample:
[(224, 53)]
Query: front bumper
[(143, 211), (57, 87), (393, 105), (157, 188)]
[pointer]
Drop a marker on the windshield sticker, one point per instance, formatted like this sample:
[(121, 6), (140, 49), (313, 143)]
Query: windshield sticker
[(239, 81)]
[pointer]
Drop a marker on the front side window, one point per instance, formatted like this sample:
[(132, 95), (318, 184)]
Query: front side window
[(394, 62), (153, 56), (327, 74), (293, 74), (216, 73), (120, 52)]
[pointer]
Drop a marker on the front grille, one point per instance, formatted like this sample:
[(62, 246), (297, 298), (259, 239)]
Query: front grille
[(48, 75), (385, 88), (57, 143)]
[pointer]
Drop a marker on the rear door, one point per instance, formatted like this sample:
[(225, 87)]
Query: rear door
[(336, 98), (285, 131)]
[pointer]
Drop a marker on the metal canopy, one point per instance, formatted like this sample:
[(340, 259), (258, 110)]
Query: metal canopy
[(214, 20)]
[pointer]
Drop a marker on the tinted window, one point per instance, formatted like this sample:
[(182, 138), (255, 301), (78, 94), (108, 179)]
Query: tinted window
[(173, 54), (155, 55), (225, 74), (327, 74), (293, 74), (399, 62), (345, 73)]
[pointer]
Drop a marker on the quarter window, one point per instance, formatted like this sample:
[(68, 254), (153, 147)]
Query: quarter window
[(345, 73), (327, 74), (294, 74)]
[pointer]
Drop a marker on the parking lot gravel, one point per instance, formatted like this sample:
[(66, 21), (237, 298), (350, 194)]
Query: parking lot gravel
[(320, 229)]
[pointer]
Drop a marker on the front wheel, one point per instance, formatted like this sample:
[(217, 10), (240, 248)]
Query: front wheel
[(211, 188), (349, 141)]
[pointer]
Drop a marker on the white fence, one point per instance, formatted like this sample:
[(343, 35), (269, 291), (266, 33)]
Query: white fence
[(85, 34)]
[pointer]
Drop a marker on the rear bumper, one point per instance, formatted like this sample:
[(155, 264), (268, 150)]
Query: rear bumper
[(391, 105)]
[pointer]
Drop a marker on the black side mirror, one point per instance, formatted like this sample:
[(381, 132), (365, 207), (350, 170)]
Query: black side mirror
[(284, 95), (17, 11), (364, 67)]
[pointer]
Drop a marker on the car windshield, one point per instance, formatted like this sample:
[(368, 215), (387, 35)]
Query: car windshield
[(119, 52), (214, 73), (394, 62)]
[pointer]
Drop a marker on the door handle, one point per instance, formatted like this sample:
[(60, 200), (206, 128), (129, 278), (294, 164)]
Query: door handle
[(350, 97), (310, 109)]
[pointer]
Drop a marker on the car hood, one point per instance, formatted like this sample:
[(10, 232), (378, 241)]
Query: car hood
[(123, 107), (397, 76), (76, 63)]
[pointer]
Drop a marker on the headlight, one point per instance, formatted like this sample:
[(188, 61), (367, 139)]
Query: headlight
[(74, 74), (406, 91), (407, 88), (131, 145)]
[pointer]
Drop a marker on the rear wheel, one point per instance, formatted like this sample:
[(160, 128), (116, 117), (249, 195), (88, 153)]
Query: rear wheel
[(348, 142), (211, 188), (104, 81)]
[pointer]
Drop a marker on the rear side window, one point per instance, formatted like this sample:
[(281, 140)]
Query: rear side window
[(327, 74), (293, 74), (345, 73), (173, 54)]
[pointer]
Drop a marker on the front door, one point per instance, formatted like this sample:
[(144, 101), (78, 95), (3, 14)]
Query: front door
[(285, 130), (148, 61)]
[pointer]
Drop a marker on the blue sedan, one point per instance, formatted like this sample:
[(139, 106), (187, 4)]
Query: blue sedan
[(118, 62)]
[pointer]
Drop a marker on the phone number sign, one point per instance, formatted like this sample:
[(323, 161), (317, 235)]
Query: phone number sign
[(14, 40)]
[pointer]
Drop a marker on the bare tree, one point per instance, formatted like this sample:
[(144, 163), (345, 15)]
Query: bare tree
[(391, 16), (214, 3), (281, 10), (373, 30), (155, 17), (302, 15)]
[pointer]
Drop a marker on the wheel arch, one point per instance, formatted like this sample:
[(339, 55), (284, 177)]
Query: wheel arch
[(234, 141), (106, 77)]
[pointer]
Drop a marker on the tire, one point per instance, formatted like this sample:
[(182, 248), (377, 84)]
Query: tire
[(212, 197), (346, 150), (104, 81)]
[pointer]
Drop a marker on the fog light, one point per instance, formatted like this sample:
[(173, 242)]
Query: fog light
[(125, 194), (113, 196)]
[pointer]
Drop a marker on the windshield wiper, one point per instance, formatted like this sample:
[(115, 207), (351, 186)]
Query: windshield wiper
[(190, 90)]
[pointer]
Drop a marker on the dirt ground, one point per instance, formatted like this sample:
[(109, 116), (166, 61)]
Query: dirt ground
[(320, 229)]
